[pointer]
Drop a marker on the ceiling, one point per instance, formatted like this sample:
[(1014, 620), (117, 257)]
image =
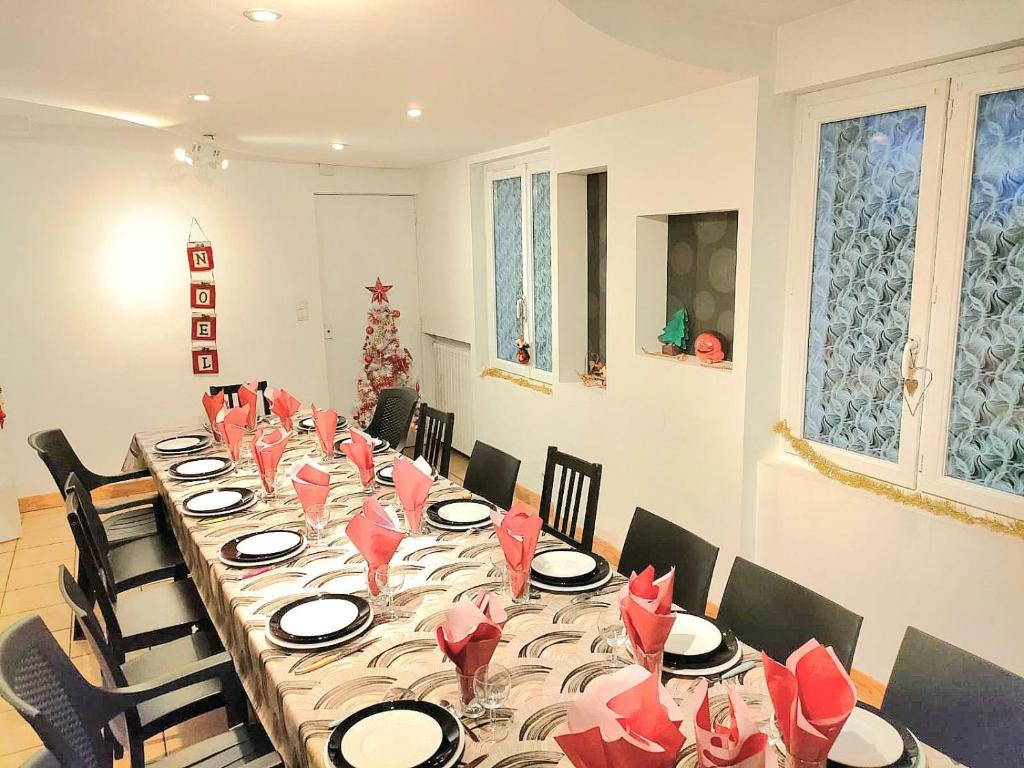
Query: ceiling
[(769, 13), (487, 73)]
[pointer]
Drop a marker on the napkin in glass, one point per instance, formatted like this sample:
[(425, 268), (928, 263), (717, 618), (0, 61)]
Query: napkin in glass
[(248, 394), (326, 425), (739, 745), (517, 532), (376, 533), (311, 481), (284, 406), (469, 635), (233, 421), (412, 484), (646, 606), (360, 452)]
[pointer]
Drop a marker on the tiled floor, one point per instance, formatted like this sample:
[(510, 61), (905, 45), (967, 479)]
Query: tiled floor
[(28, 585)]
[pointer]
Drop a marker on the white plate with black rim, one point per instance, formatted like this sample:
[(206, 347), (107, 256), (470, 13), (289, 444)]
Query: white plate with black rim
[(431, 737), (274, 640), (870, 739), (379, 445), (714, 667), (460, 514), (218, 501), (319, 618), (181, 444), (306, 423), (693, 636), (281, 559), (204, 468), (262, 547), (569, 588)]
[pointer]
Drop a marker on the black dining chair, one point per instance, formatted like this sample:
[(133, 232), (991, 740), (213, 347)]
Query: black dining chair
[(775, 615), (73, 718), (393, 416), (166, 711), (139, 619), (492, 474), (434, 438), (561, 514), (231, 399), (653, 540), (960, 704), (133, 563)]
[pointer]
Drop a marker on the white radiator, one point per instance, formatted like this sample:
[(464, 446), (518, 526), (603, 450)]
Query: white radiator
[(452, 388)]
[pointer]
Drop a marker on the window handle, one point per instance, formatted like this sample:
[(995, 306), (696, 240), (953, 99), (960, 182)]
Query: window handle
[(910, 351)]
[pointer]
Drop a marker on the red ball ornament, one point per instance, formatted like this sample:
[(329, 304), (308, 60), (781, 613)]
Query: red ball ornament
[(369, 329), (396, 313), (367, 359)]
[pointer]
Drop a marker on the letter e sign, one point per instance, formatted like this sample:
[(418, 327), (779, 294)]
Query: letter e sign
[(204, 328), (200, 257), (204, 361), (204, 296)]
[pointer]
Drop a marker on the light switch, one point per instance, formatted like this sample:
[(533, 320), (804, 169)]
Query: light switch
[(302, 310)]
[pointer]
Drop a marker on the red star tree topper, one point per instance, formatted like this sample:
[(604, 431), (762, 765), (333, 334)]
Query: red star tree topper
[(386, 363)]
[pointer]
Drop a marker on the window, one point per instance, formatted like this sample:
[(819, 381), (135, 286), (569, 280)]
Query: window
[(518, 203), (908, 224)]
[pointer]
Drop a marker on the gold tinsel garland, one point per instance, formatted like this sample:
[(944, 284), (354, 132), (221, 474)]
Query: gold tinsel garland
[(522, 381), (930, 504)]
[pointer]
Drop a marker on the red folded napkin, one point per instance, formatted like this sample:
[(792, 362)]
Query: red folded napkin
[(233, 428), (267, 448), (311, 482), (813, 696), (248, 394), (517, 532), (284, 406), (213, 404), (360, 453), (739, 745), (326, 424), (412, 484), (646, 606), (376, 532), (469, 634), (623, 720)]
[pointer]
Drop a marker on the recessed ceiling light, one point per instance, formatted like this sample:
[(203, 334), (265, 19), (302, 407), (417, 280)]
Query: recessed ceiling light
[(261, 14), (414, 112), (337, 145), (201, 97)]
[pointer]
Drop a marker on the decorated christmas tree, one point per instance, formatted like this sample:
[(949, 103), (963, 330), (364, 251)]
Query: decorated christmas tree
[(386, 363)]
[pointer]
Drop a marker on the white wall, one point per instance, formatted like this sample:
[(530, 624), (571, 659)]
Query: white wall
[(94, 289), (873, 37)]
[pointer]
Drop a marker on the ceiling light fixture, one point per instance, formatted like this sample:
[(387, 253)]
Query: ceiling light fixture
[(261, 15), (202, 155), (201, 97), (337, 145), (414, 112)]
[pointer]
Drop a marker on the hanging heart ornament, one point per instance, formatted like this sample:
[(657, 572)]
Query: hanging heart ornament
[(922, 379)]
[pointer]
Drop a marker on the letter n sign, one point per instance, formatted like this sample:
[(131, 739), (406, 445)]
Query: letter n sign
[(204, 328), (204, 361), (200, 257), (204, 296)]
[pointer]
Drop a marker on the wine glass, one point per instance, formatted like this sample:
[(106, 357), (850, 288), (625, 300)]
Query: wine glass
[(268, 476), (613, 632), (389, 581), (492, 684), (317, 517), (500, 569)]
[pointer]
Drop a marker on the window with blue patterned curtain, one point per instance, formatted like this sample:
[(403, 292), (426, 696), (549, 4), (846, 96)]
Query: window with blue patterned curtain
[(519, 201)]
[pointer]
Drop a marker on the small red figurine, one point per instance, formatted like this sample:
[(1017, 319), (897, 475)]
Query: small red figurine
[(522, 351), (709, 348)]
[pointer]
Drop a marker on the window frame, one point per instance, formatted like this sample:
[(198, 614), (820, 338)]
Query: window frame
[(932, 96), (523, 168), (958, 167)]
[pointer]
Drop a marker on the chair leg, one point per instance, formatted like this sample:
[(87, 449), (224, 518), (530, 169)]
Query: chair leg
[(83, 582), (236, 705)]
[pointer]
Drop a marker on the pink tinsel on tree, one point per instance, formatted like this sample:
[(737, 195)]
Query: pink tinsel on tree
[(386, 363)]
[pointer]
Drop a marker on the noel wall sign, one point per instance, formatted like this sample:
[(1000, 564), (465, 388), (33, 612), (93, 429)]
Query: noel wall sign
[(203, 303)]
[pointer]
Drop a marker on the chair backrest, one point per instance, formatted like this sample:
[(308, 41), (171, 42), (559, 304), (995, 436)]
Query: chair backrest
[(434, 438), (393, 415), (79, 502), (39, 681), (60, 458), (561, 513), (775, 615), (653, 540), (960, 704), (492, 474), (231, 395)]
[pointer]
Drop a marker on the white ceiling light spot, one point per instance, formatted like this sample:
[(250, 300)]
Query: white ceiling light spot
[(337, 146), (201, 97), (261, 15), (414, 112)]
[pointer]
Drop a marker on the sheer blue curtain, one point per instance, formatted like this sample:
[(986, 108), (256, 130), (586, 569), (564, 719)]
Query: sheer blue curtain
[(541, 198), (507, 213), (986, 425), (869, 174)]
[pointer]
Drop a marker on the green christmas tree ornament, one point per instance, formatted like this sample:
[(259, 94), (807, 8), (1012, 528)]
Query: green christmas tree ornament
[(674, 337)]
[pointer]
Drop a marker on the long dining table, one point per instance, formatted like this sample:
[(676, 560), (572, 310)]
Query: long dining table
[(551, 644)]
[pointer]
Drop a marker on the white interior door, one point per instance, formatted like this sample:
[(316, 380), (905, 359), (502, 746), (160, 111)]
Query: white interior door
[(360, 238)]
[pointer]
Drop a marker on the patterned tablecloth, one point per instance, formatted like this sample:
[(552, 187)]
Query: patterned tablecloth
[(551, 644)]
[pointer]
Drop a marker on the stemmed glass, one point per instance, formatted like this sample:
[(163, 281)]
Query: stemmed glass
[(500, 570), (389, 581), (268, 477), (613, 632), (317, 517), (492, 684)]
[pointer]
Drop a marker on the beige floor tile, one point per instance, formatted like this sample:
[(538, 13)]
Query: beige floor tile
[(35, 575), (56, 617), (8, 546), (15, 759), (31, 598), (5, 568), (90, 669), (49, 553), (44, 518), (78, 647), (195, 730), (43, 536), (18, 735), (154, 749)]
